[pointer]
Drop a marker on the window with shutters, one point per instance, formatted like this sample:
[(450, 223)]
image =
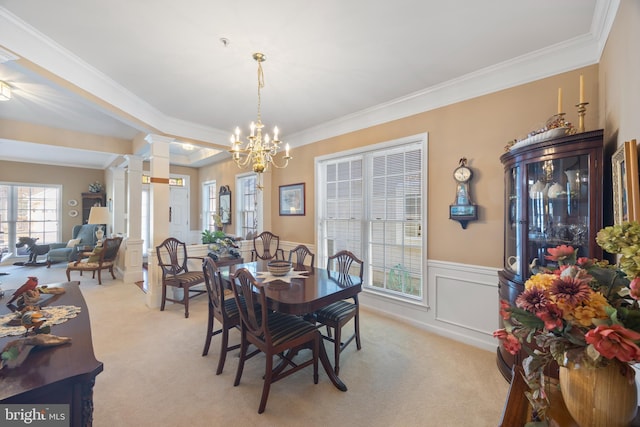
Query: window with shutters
[(372, 203)]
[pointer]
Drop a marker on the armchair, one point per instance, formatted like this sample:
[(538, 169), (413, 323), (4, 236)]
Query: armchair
[(68, 251)]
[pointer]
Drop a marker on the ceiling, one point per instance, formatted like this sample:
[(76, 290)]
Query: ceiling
[(123, 68)]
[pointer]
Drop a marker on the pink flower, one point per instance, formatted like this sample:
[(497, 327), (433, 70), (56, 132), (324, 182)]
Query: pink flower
[(615, 341), (551, 316), (584, 262), (504, 309), (510, 342), (634, 288), (560, 253)]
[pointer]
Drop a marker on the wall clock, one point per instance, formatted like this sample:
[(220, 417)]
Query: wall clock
[(463, 210)]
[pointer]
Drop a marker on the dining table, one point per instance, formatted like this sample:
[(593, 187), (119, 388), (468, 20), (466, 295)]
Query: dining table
[(302, 291)]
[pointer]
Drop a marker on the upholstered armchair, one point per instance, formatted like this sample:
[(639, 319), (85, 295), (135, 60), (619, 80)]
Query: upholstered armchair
[(82, 235)]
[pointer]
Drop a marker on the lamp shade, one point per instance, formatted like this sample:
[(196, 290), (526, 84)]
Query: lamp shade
[(99, 215)]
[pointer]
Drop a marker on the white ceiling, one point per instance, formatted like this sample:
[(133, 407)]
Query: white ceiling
[(158, 66)]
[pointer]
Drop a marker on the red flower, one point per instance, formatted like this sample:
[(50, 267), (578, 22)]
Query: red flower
[(560, 253), (504, 309), (551, 316), (615, 341), (510, 342)]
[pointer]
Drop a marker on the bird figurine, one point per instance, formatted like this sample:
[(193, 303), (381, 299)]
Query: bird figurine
[(30, 285), (32, 320)]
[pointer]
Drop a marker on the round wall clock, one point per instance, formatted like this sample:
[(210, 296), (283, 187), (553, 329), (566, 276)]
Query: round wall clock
[(72, 202), (73, 213)]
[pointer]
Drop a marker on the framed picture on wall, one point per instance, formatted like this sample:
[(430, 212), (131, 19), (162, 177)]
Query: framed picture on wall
[(292, 199), (626, 187)]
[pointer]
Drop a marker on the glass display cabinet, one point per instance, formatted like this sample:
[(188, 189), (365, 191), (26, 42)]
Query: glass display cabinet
[(553, 196)]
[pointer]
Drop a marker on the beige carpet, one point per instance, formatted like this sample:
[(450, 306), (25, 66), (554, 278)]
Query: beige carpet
[(154, 374)]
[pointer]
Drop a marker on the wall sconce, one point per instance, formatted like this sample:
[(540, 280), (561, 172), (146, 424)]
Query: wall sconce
[(5, 91)]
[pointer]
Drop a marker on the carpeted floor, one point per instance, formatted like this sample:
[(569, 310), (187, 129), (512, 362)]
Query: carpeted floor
[(154, 374)]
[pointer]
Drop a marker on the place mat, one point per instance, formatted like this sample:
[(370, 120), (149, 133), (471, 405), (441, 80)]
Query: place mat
[(53, 315), (267, 277)]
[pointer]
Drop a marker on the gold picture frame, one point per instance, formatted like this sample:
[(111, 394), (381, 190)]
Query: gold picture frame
[(626, 187)]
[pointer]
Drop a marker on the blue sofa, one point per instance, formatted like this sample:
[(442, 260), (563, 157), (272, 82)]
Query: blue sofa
[(59, 252)]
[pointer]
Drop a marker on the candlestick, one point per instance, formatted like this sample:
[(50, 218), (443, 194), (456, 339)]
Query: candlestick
[(582, 109), (559, 100), (581, 88)]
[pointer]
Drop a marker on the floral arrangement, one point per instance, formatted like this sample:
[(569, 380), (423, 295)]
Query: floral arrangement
[(584, 313), (220, 244)]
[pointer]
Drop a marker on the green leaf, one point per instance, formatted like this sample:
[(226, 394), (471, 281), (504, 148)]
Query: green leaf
[(10, 354)]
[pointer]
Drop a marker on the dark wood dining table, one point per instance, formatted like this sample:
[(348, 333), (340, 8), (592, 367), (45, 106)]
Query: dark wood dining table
[(303, 296)]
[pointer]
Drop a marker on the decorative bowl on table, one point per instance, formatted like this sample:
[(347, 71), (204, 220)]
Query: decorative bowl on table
[(279, 267)]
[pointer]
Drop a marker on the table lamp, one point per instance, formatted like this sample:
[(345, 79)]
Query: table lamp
[(99, 215)]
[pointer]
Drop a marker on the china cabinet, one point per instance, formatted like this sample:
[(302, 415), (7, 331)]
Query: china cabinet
[(90, 200), (553, 196)]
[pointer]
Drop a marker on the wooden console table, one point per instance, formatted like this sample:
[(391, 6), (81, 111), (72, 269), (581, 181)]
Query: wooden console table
[(57, 375)]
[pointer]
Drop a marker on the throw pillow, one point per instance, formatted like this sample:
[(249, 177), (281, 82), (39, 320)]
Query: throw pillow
[(73, 242), (95, 255)]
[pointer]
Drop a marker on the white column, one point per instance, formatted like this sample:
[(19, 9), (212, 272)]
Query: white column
[(159, 221), (131, 217)]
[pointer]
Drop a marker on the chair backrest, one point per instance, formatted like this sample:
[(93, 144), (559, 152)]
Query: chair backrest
[(86, 233), (172, 256), (262, 245), (345, 264), (250, 296), (110, 249), (213, 282), (300, 253)]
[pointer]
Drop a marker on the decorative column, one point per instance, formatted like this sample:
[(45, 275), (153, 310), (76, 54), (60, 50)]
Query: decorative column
[(133, 244), (159, 218)]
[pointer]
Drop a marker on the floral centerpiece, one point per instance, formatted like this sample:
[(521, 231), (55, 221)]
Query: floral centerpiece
[(220, 244), (583, 313)]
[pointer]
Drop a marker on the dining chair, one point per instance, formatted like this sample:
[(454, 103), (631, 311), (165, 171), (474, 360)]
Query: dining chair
[(173, 259), (225, 310), (341, 266), (101, 258), (301, 252), (272, 332), (266, 245)]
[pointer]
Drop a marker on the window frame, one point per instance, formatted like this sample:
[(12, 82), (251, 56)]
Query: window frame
[(421, 141)]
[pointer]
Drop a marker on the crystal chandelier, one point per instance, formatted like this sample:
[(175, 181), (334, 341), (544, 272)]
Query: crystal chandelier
[(260, 151)]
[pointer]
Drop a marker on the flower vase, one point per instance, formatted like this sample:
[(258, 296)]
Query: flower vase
[(600, 397)]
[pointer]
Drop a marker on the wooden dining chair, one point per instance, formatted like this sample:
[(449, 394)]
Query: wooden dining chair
[(225, 310), (341, 267), (173, 259), (266, 245), (273, 333), (101, 258), (300, 253)]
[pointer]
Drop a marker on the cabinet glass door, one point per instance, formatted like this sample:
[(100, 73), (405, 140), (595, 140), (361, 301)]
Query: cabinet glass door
[(558, 206), (513, 232)]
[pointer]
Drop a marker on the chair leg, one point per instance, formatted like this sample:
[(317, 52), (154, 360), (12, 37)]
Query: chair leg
[(357, 322), (185, 300), (111, 271), (243, 355), (164, 296), (337, 348), (68, 275), (99, 276), (268, 373), (207, 341), (223, 350), (316, 350)]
